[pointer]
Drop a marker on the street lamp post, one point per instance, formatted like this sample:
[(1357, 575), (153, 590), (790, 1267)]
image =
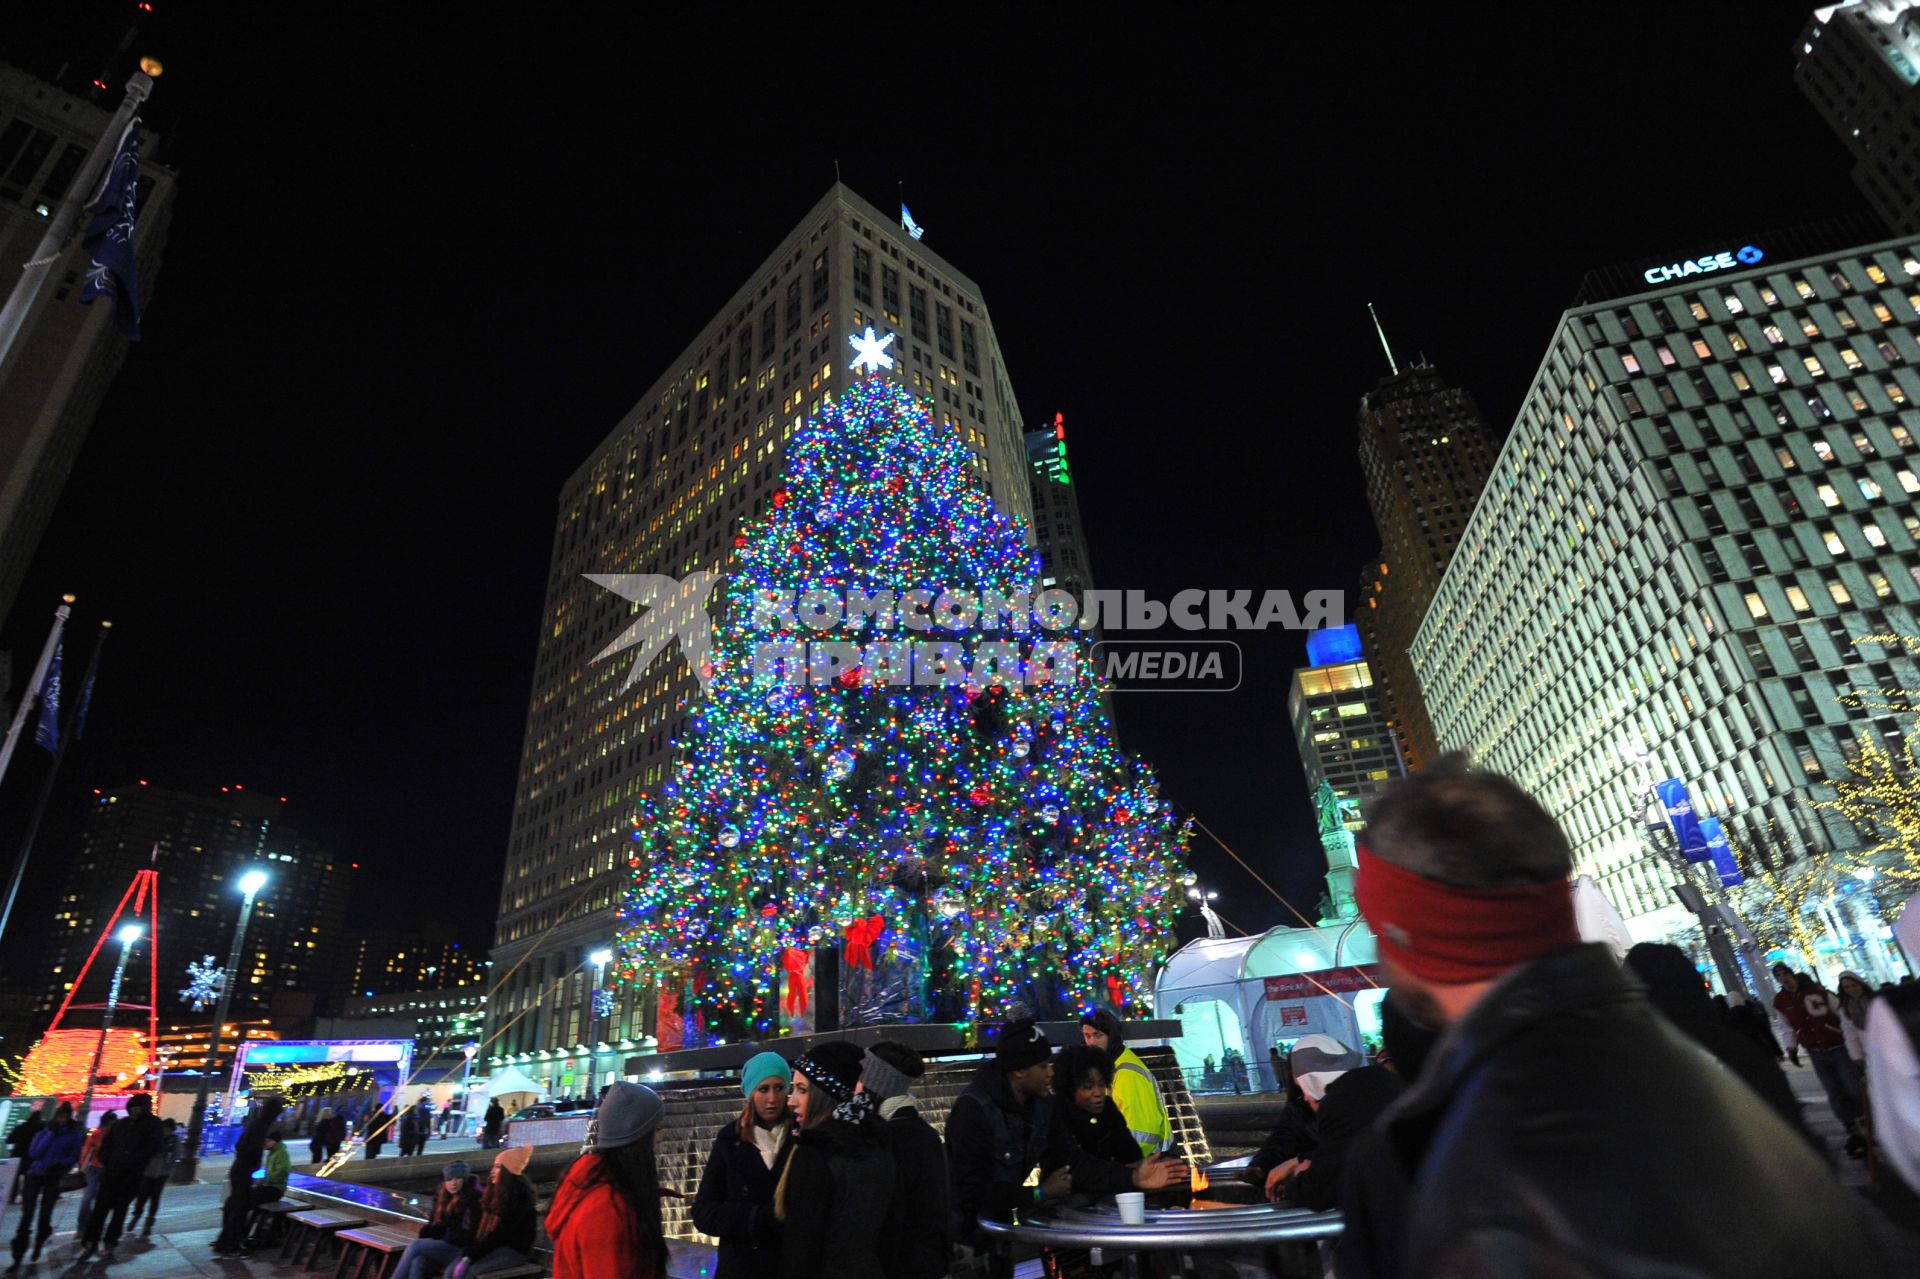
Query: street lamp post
[(183, 1173), (601, 958), (128, 935)]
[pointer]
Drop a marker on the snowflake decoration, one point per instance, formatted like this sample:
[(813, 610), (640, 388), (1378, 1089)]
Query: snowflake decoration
[(870, 351), (603, 1003), (203, 983)]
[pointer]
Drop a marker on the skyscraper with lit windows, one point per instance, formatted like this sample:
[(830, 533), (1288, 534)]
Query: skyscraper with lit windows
[(1057, 532), (1858, 63), (1426, 453), (1701, 542), (665, 493)]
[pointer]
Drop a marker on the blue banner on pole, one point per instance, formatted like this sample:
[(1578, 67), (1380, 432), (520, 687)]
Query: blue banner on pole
[(1686, 826), (47, 733), (1720, 852), (109, 238)]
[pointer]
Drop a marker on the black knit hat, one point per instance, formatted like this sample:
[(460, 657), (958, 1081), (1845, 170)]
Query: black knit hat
[(1021, 1044), (834, 1066)]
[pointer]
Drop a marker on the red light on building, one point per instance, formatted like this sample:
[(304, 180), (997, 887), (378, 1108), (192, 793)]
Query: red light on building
[(1059, 426)]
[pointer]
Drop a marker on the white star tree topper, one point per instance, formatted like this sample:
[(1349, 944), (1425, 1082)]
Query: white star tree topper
[(871, 350), (203, 983)]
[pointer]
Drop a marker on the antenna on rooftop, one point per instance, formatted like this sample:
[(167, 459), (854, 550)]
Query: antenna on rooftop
[(1391, 362)]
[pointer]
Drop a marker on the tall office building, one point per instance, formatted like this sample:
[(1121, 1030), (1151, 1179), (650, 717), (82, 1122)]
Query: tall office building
[(1346, 747), (57, 374), (1859, 64), (201, 845), (703, 449), (1426, 453), (1704, 507), (1057, 533)]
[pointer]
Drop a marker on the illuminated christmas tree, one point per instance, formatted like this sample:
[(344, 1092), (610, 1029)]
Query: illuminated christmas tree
[(1881, 798), (981, 840)]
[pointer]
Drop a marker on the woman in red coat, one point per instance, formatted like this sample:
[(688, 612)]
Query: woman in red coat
[(605, 1218)]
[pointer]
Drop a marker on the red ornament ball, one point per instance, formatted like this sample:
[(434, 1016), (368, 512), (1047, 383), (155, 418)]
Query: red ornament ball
[(980, 795), (779, 497), (895, 484)]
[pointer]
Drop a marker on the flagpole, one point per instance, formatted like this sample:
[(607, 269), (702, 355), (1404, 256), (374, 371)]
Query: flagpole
[(39, 268), (46, 787), (27, 698)]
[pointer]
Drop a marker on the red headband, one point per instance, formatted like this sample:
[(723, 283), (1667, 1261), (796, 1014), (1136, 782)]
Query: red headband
[(1443, 933)]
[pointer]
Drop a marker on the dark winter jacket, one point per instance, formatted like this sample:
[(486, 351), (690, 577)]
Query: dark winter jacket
[(132, 1143), (1352, 1103), (1107, 1135), (735, 1205), (495, 1119), (839, 1184), (456, 1216), (913, 1240), (21, 1138), (1563, 1127), (1674, 987), (1294, 1136), (992, 1144), (55, 1149), (513, 1225)]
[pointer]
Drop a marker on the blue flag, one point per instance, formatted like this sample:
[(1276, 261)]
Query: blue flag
[(48, 732), (1720, 851), (86, 700), (1686, 825), (109, 238), (907, 223)]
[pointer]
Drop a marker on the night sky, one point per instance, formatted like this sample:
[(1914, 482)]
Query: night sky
[(416, 274)]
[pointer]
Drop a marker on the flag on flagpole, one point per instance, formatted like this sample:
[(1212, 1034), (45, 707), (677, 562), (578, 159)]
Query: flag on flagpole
[(86, 700), (47, 734), (109, 237), (907, 223)]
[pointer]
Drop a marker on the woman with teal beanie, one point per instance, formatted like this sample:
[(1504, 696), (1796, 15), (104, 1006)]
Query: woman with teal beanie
[(735, 1200)]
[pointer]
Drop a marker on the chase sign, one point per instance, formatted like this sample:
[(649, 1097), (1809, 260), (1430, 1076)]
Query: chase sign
[(1725, 260)]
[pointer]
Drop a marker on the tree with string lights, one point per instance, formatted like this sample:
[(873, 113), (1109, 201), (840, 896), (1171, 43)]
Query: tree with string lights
[(982, 838), (1881, 798)]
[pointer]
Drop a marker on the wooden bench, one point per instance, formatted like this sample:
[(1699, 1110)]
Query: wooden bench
[(371, 1252), (316, 1226), (267, 1223)]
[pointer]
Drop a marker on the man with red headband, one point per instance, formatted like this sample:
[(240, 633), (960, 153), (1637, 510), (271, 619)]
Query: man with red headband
[(1559, 1125)]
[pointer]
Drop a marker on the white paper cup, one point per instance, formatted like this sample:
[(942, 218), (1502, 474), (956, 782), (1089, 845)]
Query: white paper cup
[(1133, 1208)]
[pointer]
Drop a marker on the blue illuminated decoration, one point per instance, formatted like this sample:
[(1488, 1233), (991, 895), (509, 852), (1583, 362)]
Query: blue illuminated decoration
[(1334, 645), (912, 228), (1725, 260)]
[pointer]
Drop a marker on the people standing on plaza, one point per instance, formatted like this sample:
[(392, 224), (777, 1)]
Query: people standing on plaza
[(605, 1219), (1561, 1125), (1675, 988), (379, 1131), (735, 1201), (20, 1142), (426, 1122), (154, 1180), (54, 1152), (496, 1121), (913, 1238), (249, 1152), (413, 1132), (1295, 1132), (317, 1141), (832, 1196), (1347, 1094), (1811, 1015), (508, 1219), (451, 1227), (1855, 995), (91, 1166), (124, 1155), (1088, 1117), (1134, 1087)]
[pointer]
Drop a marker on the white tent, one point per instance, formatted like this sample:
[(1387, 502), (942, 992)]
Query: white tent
[(1218, 989), (505, 1083)]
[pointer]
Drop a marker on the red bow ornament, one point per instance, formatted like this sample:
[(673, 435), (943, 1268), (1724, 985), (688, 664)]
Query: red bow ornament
[(861, 935), (1116, 991)]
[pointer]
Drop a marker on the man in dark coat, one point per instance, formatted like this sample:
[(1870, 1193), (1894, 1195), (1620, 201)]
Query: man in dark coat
[(496, 1120), (1001, 1125), (124, 1153), (20, 1141), (1561, 1125), (1347, 1093), (1674, 987), (913, 1240)]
